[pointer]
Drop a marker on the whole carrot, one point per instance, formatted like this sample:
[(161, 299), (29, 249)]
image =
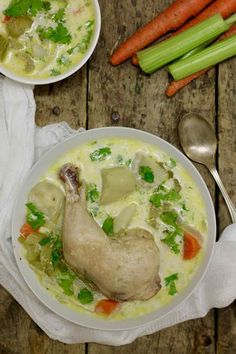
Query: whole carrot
[(224, 7), (170, 19), (176, 86)]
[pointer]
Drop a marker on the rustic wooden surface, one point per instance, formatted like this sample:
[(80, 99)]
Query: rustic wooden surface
[(100, 95)]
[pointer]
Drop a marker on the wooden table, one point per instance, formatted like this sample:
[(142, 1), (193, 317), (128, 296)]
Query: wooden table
[(100, 95)]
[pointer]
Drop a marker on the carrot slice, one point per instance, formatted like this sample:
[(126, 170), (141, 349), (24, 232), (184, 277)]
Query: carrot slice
[(106, 306), (191, 246), (26, 230)]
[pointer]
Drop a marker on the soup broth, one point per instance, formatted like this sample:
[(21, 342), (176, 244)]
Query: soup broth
[(46, 39), (167, 203)]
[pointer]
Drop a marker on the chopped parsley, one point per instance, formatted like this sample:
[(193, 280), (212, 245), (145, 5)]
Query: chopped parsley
[(85, 296), (146, 173), (128, 162), (65, 281), (170, 218), (35, 217), (92, 194), (171, 163), (170, 282), (108, 226), (56, 254), (55, 72), (63, 60), (60, 34), (19, 8), (83, 44), (45, 240), (157, 198), (60, 15), (100, 154)]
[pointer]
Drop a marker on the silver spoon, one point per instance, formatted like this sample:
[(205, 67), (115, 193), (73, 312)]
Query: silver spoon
[(199, 143)]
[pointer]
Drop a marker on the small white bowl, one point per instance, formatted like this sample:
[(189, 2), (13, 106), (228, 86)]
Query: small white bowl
[(44, 164), (50, 80)]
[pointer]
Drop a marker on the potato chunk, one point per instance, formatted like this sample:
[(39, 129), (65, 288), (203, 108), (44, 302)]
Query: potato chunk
[(49, 199), (17, 26), (117, 182)]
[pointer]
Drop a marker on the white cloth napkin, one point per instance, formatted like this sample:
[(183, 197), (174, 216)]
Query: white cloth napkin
[(20, 145)]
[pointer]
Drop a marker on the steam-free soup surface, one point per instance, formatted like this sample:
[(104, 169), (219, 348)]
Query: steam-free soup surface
[(41, 38), (166, 202)]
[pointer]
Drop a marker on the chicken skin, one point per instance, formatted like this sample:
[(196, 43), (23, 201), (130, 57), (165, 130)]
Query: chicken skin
[(122, 268)]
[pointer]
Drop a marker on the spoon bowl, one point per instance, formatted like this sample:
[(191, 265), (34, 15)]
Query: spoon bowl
[(197, 138), (199, 143)]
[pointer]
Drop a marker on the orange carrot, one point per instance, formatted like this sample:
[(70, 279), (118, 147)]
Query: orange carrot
[(191, 246), (224, 7), (26, 230), (106, 306), (176, 86), (170, 19)]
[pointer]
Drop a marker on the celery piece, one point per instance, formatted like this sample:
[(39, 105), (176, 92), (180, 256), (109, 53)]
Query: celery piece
[(165, 52), (210, 56)]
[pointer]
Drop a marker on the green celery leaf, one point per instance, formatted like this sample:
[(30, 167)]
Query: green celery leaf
[(85, 296), (170, 241), (60, 34), (92, 194), (100, 154), (108, 226), (45, 240), (146, 173), (35, 217)]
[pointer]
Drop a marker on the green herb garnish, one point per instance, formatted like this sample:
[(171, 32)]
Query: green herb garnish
[(170, 282), (170, 241), (60, 34), (146, 173), (65, 281), (45, 240), (55, 72), (157, 198), (35, 217), (85, 296), (171, 163), (170, 218), (108, 226), (100, 154), (92, 194), (63, 60), (26, 7), (60, 15), (56, 254)]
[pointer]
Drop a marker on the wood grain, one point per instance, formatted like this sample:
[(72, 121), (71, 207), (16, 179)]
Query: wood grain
[(124, 96), (100, 95), (226, 319)]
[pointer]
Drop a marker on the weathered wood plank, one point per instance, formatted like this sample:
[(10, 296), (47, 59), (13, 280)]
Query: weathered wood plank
[(124, 96), (63, 101), (20, 335), (226, 326)]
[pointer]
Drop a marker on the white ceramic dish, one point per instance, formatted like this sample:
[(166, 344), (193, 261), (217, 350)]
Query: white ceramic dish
[(19, 216), (50, 80)]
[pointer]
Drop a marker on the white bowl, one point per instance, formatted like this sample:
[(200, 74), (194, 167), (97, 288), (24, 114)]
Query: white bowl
[(50, 80), (46, 162)]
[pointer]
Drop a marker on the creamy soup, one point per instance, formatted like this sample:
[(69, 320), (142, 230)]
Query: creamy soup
[(44, 38), (164, 201)]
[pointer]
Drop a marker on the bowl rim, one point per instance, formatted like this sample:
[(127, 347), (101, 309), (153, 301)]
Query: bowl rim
[(90, 321), (45, 81)]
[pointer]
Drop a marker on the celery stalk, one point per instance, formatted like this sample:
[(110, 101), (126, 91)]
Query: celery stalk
[(231, 20), (210, 56), (165, 52)]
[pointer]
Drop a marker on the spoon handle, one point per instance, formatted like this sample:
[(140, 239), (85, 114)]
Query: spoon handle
[(227, 199)]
